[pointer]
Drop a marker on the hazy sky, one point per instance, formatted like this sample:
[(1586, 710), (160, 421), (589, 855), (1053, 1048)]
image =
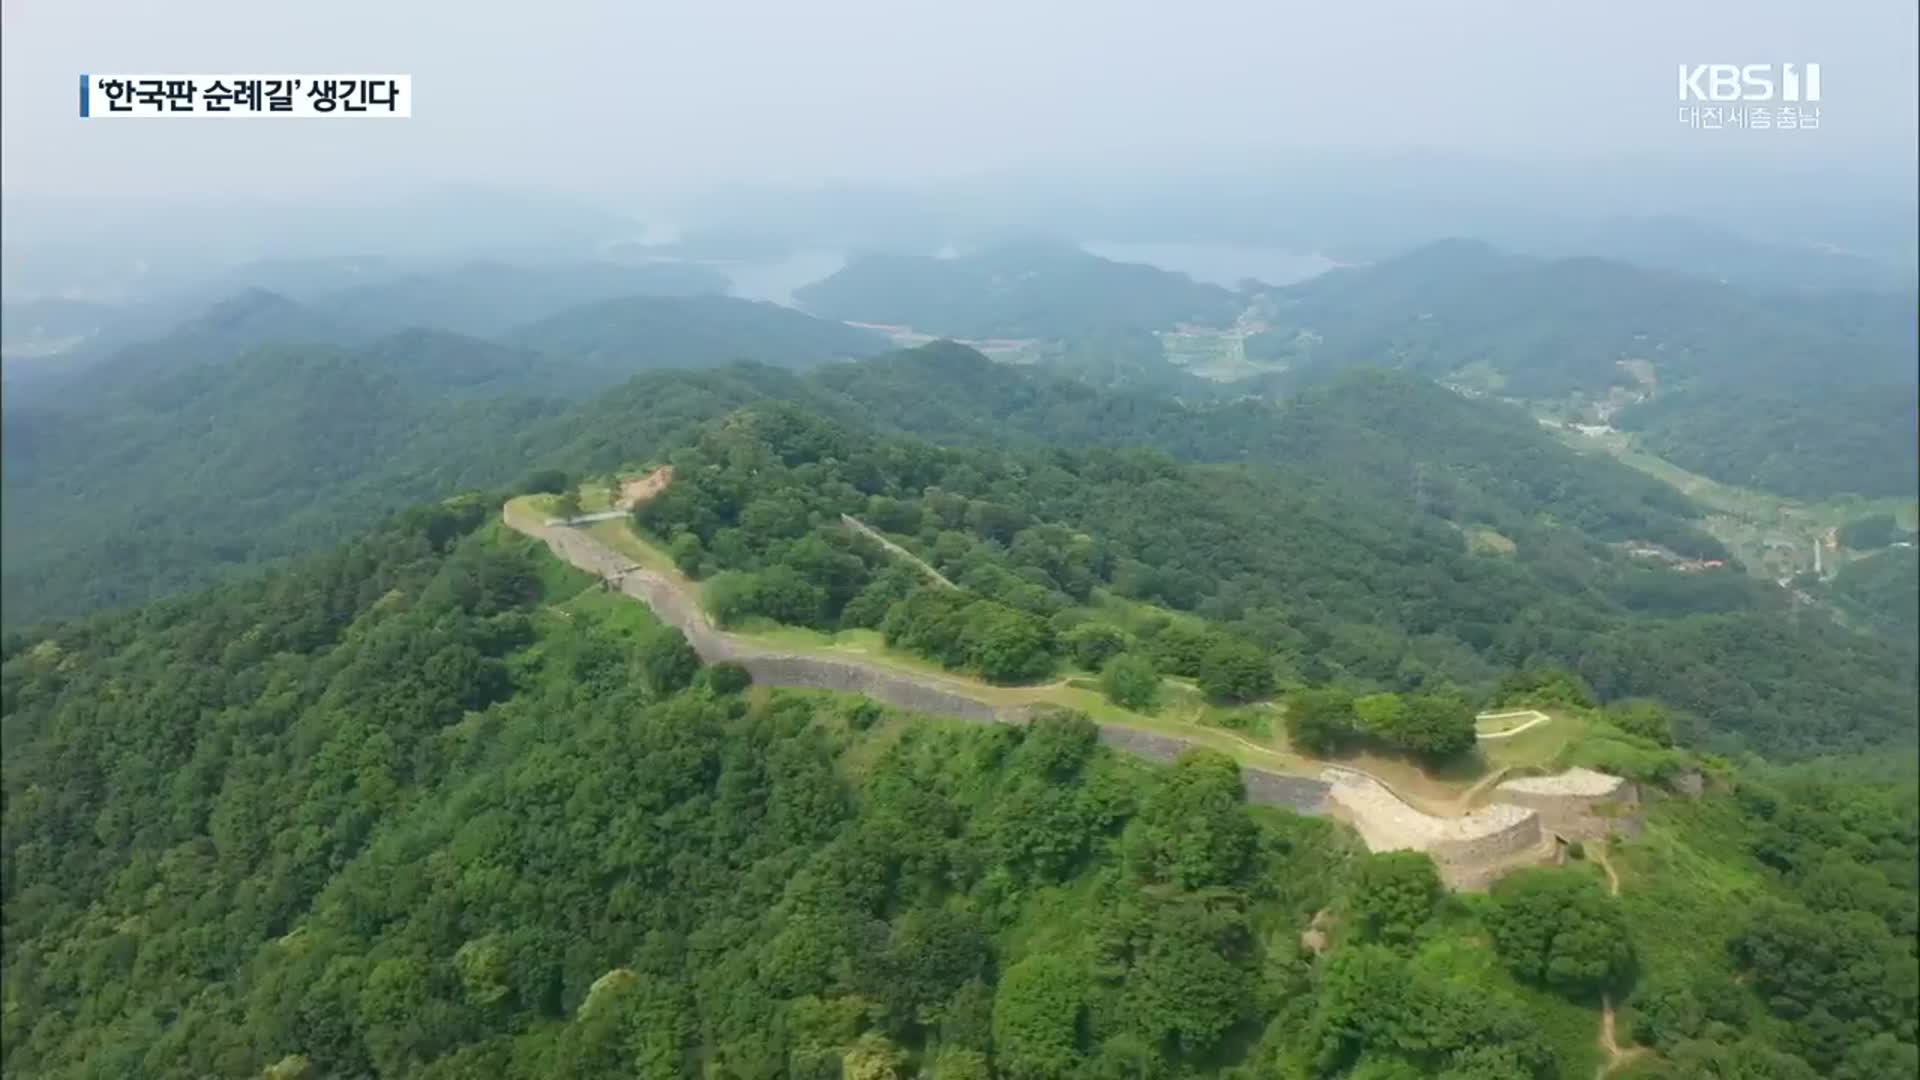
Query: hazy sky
[(644, 96)]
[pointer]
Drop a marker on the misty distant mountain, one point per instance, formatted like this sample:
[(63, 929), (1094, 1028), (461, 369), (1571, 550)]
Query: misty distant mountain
[(243, 321), (154, 483), (1534, 327), (41, 330), (1693, 247), (343, 301), (1020, 290), (488, 298), (638, 333)]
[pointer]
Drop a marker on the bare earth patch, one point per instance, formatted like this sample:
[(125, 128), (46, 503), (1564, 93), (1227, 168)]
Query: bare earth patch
[(635, 492)]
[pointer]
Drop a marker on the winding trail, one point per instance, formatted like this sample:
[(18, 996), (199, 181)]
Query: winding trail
[(1616, 1056), (675, 602), (896, 550)]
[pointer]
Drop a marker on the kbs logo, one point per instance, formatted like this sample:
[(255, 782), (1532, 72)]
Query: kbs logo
[(1749, 82)]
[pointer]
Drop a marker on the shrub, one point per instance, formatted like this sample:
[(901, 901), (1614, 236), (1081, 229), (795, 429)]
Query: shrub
[(1235, 671), (1131, 682), (1093, 644)]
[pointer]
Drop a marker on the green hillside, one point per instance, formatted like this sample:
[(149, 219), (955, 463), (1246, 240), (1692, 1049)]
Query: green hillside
[(1545, 328), (430, 805), (488, 298), (1377, 528), (1812, 440), (638, 333), (1023, 290), (1330, 577)]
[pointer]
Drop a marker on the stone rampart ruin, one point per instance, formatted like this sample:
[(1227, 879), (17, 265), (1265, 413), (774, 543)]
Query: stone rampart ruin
[(1578, 804), (1469, 851), (1518, 829)]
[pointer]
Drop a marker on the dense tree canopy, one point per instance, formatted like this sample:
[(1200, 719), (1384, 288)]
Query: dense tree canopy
[(1029, 538), (431, 805), (1558, 928)]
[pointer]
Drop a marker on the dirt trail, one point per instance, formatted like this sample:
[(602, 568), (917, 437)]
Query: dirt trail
[(896, 550), (1616, 1056), (1464, 801), (635, 492), (1613, 879), (1538, 718)]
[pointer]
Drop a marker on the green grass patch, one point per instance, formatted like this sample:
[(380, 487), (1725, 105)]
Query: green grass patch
[(1539, 747), (1681, 882), (1485, 541)]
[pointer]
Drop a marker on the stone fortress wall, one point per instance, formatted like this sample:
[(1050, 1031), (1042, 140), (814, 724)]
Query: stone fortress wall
[(1519, 828), (1469, 851), (1578, 804), (926, 693)]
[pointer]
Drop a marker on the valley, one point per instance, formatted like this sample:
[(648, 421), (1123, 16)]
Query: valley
[(1774, 535)]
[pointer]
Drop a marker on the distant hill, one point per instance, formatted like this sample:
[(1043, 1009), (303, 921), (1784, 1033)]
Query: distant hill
[(1025, 290), (246, 320), (487, 298), (185, 476), (25, 323), (1810, 441), (339, 301), (223, 465), (638, 333), (1533, 327), (1687, 246), (1883, 590), (1376, 523)]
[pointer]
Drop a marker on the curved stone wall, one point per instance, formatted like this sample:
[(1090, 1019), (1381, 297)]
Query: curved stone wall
[(1469, 851), (1578, 804)]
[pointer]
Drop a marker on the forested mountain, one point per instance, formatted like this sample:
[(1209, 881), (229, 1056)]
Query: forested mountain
[(1812, 441), (1808, 394), (167, 482), (1018, 290), (1331, 576), (637, 333), (208, 452), (1883, 589), (1549, 327), (341, 301), (245, 320), (31, 328), (1689, 246), (1377, 525), (429, 805), (487, 298)]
